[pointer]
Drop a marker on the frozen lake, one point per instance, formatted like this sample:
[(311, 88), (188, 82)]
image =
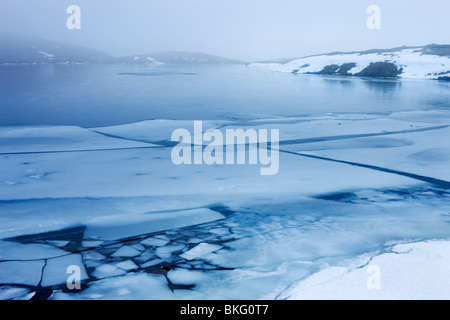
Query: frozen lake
[(104, 95), (362, 188)]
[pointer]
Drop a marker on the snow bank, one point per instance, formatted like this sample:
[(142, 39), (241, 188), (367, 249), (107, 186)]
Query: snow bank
[(413, 62), (417, 270)]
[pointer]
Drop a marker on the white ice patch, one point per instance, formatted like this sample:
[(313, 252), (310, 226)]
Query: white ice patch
[(106, 271), (155, 242), (93, 255), (166, 252), (131, 286), (186, 277), (127, 265), (46, 54), (154, 61), (413, 271), (200, 250)]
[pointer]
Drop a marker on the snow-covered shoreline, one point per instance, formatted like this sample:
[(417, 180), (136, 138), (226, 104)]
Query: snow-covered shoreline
[(404, 271), (413, 63)]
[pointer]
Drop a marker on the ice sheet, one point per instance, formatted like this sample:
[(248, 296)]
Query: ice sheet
[(117, 227), (53, 138), (17, 251), (21, 272), (226, 232)]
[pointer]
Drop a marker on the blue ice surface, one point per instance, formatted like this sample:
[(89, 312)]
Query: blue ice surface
[(337, 195)]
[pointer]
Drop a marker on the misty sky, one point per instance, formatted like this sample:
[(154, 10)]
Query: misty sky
[(248, 30)]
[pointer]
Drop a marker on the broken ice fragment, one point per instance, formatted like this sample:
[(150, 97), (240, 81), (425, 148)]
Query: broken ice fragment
[(166, 252), (154, 242), (21, 272), (138, 246), (200, 250), (56, 270), (107, 270), (126, 265), (151, 263), (93, 255), (126, 251)]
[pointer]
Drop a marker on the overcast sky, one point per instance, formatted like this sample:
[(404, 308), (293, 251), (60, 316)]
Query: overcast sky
[(248, 30)]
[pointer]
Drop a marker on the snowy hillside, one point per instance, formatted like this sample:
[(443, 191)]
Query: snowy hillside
[(19, 49), (27, 49), (428, 62), (177, 58)]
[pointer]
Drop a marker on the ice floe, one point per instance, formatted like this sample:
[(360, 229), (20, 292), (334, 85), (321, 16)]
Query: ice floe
[(126, 251), (56, 270), (200, 250), (107, 271)]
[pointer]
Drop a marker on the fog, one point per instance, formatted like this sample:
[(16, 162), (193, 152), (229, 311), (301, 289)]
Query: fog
[(248, 30)]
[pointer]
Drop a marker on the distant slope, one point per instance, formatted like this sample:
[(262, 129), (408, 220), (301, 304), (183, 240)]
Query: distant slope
[(177, 58), (426, 62), (27, 49)]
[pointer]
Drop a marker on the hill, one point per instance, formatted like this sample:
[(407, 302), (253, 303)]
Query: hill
[(27, 49), (425, 62)]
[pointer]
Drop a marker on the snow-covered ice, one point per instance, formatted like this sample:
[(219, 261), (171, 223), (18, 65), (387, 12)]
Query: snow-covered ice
[(127, 265), (200, 250), (416, 270), (107, 270), (166, 251)]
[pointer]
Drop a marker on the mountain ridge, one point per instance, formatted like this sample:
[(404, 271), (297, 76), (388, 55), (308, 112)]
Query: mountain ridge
[(430, 61)]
